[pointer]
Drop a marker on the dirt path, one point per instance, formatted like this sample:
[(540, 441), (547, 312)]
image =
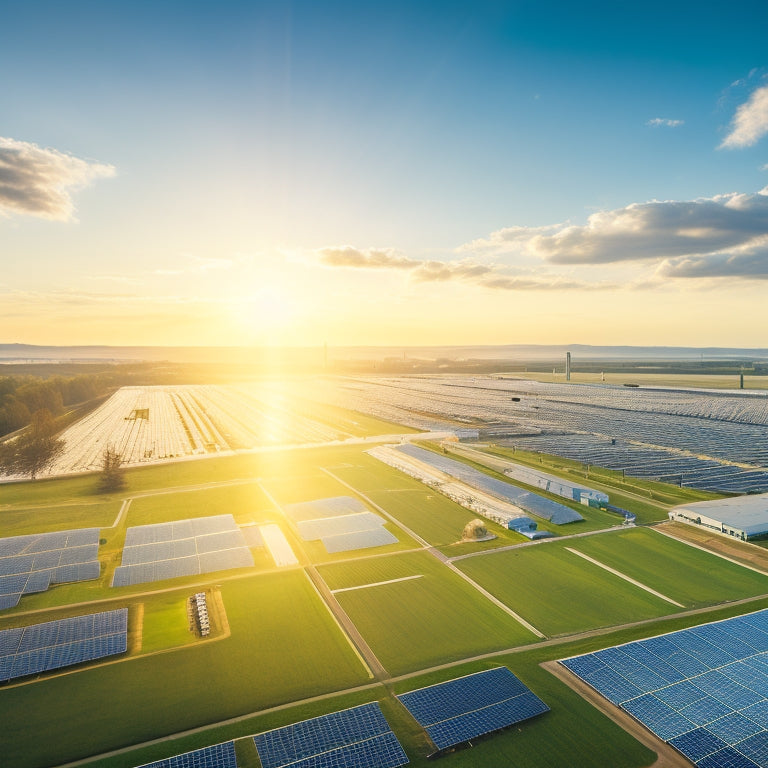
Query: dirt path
[(667, 757)]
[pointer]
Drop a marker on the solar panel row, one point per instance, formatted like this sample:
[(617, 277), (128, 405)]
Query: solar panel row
[(333, 506), (216, 756), (54, 644), (30, 564), (704, 689), (183, 548), (356, 737), (463, 709), (530, 502)]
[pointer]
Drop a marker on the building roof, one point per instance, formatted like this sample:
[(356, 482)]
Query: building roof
[(747, 513)]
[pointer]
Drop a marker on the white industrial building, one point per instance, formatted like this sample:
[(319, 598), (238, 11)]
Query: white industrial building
[(743, 517)]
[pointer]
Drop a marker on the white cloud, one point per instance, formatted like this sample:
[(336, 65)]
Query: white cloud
[(649, 231), (373, 258), (657, 121), (39, 182), (750, 123)]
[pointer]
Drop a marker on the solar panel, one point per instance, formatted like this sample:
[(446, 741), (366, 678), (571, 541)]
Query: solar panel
[(471, 706), (216, 756), (321, 508), (377, 537), (181, 548), (353, 738), (53, 644), (311, 530), (32, 563), (718, 716)]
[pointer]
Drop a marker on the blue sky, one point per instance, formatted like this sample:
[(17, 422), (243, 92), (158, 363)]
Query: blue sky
[(301, 172)]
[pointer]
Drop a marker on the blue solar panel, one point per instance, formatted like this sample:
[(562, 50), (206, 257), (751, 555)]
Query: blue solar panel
[(182, 548), (345, 542), (352, 737), (727, 758), (697, 744), (216, 756), (717, 717), (54, 644), (31, 563), (468, 707)]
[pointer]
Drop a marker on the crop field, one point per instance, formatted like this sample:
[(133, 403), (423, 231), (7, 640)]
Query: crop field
[(150, 424), (434, 618)]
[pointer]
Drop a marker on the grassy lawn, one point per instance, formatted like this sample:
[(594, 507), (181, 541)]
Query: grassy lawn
[(269, 659), (248, 503), (82, 513), (165, 622), (559, 592), (677, 570), (420, 622)]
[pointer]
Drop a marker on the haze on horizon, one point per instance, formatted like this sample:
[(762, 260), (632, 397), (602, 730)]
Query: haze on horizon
[(291, 173)]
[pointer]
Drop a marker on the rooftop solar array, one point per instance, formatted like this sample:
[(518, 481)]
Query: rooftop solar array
[(703, 690), (471, 706), (32, 563), (321, 508), (183, 548), (530, 502), (342, 523), (216, 756), (353, 738), (54, 644)]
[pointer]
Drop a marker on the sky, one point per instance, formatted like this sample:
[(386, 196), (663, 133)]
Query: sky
[(354, 173)]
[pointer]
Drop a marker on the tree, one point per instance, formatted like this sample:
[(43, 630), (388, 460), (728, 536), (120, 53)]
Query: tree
[(35, 449), (112, 477)]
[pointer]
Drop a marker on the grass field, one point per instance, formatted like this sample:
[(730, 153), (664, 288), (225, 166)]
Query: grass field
[(420, 622), (673, 568), (269, 659), (285, 646)]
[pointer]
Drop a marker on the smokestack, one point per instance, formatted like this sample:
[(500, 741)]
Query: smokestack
[(567, 366)]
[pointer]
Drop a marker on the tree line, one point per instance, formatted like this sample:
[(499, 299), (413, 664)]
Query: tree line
[(23, 396)]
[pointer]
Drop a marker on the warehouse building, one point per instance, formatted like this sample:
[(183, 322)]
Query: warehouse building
[(743, 517)]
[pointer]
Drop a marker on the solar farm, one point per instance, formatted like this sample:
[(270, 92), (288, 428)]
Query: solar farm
[(348, 624), (704, 439)]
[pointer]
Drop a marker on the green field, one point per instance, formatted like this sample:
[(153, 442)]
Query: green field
[(280, 645), (424, 621), (269, 659), (677, 570)]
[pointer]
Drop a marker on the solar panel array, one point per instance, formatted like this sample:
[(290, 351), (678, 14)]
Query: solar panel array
[(216, 756), (32, 563), (530, 502), (353, 738), (182, 548), (332, 506), (467, 707), (54, 644), (342, 523), (703, 690)]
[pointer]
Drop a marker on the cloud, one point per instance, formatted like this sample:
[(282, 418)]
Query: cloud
[(657, 121), (373, 258), (38, 182), (495, 277), (197, 265), (751, 264), (649, 231), (750, 123)]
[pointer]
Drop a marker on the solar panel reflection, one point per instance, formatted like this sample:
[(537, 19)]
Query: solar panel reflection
[(353, 738), (216, 756), (467, 707)]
